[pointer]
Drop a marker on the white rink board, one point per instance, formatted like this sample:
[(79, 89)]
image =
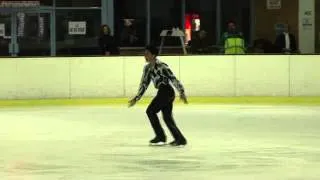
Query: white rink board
[(103, 77), (42, 78), (96, 77), (304, 75), (208, 75), (262, 76), (8, 79)]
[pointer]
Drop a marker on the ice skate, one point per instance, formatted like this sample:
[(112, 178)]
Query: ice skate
[(181, 143), (158, 141)]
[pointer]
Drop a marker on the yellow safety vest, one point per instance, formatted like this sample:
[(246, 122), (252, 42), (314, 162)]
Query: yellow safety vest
[(234, 45)]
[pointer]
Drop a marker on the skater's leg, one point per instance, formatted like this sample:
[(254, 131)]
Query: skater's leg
[(169, 120), (152, 110)]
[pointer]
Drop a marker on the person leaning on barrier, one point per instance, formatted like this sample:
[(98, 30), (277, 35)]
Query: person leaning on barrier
[(233, 40), (107, 43)]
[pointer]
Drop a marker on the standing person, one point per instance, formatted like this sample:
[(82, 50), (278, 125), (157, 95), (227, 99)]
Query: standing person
[(286, 42), (161, 75), (232, 40), (107, 42)]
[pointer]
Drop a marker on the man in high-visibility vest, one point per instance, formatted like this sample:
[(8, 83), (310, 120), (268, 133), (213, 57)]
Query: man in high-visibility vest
[(233, 40)]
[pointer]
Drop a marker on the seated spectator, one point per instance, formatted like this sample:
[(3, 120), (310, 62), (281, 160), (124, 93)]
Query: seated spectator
[(107, 42), (199, 43)]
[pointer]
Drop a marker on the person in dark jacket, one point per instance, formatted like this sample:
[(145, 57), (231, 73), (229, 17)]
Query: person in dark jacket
[(286, 42), (199, 43), (107, 42)]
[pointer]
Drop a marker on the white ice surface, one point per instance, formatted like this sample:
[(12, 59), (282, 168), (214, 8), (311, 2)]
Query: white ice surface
[(102, 143)]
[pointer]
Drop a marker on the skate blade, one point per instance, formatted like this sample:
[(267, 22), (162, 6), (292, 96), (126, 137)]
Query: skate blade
[(157, 144), (178, 146)]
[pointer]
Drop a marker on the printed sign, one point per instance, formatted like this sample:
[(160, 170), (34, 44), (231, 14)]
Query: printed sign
[(308, 13), (77, 27), (307, 20), (307, 23), (273, 4), (12, 4), (2, 30)]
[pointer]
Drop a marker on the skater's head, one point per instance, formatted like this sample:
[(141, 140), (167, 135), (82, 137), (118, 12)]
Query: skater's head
[(150, 53)]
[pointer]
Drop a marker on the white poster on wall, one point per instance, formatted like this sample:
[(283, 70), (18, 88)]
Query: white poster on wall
[(77, 27), (307, 20), (307, 33), (2, 30), (273, 4)]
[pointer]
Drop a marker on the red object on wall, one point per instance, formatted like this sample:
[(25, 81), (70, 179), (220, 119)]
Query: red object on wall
[(189, 20)]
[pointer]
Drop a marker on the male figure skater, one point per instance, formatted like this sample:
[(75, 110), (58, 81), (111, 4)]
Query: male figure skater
[(161, 75)]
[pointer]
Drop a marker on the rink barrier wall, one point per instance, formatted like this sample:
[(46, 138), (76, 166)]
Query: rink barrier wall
[(118, 77), (122, 102)]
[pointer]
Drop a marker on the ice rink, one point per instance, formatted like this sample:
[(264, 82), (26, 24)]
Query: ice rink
[(242, 142)]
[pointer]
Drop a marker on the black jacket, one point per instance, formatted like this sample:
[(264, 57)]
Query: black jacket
[(108, 43), (281, 42)]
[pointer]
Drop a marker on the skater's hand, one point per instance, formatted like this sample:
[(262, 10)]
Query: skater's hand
[(183, 97), (132, 102)]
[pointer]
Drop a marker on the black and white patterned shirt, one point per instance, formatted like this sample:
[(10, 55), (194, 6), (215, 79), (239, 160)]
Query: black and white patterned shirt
[(159, 73)]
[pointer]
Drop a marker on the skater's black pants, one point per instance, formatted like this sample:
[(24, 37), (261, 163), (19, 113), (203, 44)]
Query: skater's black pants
[(164, 102)]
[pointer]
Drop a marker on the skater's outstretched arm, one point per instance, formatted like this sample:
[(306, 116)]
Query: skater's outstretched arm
[(144, 83)]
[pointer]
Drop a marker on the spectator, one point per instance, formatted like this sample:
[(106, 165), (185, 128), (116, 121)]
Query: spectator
[(286, 42), (199, 44), (233, 40), (107, 42), (129, 33)]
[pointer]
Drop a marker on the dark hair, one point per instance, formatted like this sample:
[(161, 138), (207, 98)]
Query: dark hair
[(152, 49), (102, 31)]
